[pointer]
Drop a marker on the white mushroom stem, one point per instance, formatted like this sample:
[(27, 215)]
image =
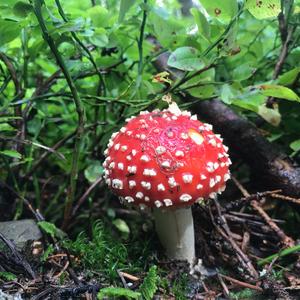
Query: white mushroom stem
[(175, 229)]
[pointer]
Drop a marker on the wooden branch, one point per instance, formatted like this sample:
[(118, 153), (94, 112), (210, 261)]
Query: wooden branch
[(274, 169)]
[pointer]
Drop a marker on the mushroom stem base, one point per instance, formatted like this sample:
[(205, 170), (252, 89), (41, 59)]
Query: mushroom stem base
[(175, 229)]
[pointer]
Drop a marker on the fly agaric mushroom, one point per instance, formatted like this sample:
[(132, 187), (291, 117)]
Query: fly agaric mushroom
[(167, 160)]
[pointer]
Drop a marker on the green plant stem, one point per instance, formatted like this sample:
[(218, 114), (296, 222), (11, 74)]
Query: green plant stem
[(140, 48), (37, 4), (81, 44), (282, 253)]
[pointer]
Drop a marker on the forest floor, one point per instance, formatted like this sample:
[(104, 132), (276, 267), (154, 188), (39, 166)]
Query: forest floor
[(246, 248)]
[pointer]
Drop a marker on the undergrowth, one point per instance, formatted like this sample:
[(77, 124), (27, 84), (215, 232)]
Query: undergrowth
[(103, 253)]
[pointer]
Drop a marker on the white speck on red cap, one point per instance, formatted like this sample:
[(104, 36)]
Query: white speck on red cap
[(123, 129), (131, 169), (146, 185), (203, 177), (117, 184), (185, 197), (212, 182), (161, 187), (165, 164), (170, 134), (184, 135), (186, 113), (128, 157), (149, 172), (147, 199), (199, 186), (200, 200), (208, 126), (210, 167), (187, 178), (179, 153), (168, 202), (112, 165), (133, 152), (172, 182), (120, 166), (117, 146), (132, 184), (144, 112), (193, 117), (124, 148), (226, 177), (157, 203), (160, 150), (129, 199), (139, 195), (114, 135), (145, 158), (212, 142)]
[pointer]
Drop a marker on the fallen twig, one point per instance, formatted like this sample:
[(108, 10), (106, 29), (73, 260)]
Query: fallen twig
[(285, 198), (15, 260), (241, 283), (226, 234), (286, 240)]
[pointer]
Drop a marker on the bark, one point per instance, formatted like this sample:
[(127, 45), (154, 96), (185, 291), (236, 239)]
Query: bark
[(273, 168)]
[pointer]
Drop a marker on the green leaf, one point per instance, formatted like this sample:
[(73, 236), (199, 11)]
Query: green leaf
[(93, 171), (295, 145), (249, 101), (99, 38), (121, 226), (264, 9), (22, 9), (99, 15), (11, 153), (227, 93), (124, 8), (8, 276), (169, 32), (149, 285), (271, 115), (278, 91), (223, 10), (202, 92), (242, 72), (186, 59), (202, 23), (51, 229), (118, 292), (6, 127), (289, 77), (9, 31), (49, 250)]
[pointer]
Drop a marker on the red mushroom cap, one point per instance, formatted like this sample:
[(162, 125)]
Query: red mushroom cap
[(166, 159)]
